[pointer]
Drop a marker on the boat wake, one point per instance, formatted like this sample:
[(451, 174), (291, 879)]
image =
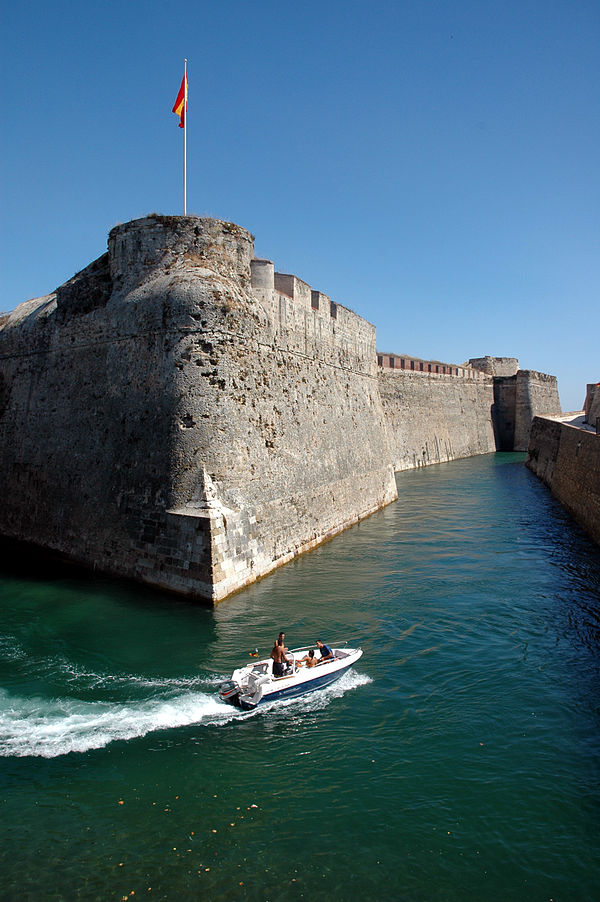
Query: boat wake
[(50, 727)]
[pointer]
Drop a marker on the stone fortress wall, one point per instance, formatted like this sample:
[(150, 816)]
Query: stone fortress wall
[(567, 459), (591, 405), (309, 323), (564, 452), (439, 411), (181, 414), (158, 421), (436, 418), (428, 367), (487, 404)]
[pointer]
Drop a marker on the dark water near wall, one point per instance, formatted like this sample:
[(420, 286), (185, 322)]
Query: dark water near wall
[(459, 762)]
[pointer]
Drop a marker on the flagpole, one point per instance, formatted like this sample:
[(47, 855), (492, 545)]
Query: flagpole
[(185, 140)]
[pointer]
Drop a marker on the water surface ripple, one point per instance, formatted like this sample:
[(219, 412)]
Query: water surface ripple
[(459, 761)]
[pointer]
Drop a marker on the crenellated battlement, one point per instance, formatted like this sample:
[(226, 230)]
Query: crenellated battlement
[(396, 362), (306, 321)]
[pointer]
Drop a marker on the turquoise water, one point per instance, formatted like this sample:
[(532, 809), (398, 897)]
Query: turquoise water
[(459, 761)]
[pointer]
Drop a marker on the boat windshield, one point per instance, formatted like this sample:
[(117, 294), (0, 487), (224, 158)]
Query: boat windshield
[(260, 668)]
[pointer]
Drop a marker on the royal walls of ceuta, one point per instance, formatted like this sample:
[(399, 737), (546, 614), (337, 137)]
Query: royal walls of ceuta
[(180, 414), (564, 452)]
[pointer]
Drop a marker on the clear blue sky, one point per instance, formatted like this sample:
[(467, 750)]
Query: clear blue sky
[(431, 165)]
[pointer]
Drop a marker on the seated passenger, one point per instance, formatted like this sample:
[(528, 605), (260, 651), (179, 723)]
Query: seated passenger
[(308, 659), (326, 652)]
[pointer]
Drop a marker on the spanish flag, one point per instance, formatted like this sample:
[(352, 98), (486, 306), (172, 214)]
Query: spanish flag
[(180, 107)]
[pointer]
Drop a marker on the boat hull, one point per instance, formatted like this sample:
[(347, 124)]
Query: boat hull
[(255, 684), (293, 691)]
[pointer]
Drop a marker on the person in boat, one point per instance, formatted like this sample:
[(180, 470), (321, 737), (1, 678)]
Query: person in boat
[(308, 659), (280, 661), (326, 652)]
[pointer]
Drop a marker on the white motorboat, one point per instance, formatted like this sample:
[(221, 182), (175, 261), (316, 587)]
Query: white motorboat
[(256, 684)]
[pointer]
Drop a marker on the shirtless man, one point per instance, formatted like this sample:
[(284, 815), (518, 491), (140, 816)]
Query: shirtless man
[(279, 659)]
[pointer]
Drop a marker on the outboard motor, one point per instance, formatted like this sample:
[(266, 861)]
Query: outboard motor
[(229, 692)]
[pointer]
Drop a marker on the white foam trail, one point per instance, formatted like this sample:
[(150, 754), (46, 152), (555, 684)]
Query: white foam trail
[(315, 701), (51, 727), (312, 701), (48, 728)]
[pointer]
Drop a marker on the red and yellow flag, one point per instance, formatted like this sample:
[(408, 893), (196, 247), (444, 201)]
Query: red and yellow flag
[(180, 107)]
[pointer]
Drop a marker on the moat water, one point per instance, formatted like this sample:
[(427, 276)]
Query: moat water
[(459, 761)]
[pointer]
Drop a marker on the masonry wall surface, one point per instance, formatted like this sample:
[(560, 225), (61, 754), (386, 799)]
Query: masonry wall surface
[(536, 394), (161, 422), (517, 400), (435, 418), (181, 414), (567, 460), (496, 366), (591, 404), (505, 401)]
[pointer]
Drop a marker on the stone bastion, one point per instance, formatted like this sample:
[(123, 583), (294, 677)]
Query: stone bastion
[(180, 414), (158, 423)]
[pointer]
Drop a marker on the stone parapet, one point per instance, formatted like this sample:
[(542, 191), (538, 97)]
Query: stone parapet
[(496, 366), (153, 246), (417, 365), (263, 275)]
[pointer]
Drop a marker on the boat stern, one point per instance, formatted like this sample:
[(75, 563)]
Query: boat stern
[(229, 692)]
